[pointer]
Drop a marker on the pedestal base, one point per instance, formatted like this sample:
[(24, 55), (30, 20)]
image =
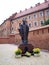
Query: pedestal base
[(26, 47)]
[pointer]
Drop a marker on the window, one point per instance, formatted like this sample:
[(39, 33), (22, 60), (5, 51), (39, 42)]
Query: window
[(41, 13), (47, 12), (29, 24), (35, 23), (35, 16), (42, 22), (29, 17)]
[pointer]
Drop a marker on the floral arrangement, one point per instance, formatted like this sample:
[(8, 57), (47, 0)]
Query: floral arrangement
[(36, 50), (28, 54), (18, 51)]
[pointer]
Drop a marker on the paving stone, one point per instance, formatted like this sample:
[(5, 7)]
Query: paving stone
[(7, 57)]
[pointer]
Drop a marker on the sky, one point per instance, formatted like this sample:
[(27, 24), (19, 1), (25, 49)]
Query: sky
[(9, 7)]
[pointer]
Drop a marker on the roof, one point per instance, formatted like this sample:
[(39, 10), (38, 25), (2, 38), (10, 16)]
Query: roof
[(38, 7), (33, 9)]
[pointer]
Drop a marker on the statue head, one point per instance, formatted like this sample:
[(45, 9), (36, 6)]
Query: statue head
[(24, 21)]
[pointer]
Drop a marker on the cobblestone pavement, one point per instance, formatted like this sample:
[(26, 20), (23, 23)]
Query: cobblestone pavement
[(7, 57)]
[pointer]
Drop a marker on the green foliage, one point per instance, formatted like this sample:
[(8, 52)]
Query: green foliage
[(46, 22), (18, 51), (36, 50)]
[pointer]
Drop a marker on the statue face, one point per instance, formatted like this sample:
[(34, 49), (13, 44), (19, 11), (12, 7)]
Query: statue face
[(24, 22)]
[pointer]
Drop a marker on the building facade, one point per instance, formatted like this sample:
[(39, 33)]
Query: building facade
[(35, 17)]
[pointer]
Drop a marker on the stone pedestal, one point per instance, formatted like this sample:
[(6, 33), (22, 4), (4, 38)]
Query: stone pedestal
[(26, 47)]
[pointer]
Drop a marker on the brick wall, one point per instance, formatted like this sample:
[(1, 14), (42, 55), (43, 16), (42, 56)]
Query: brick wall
[(41, 40), (9, 39), (12, 39), (4, 40), (37, 38)]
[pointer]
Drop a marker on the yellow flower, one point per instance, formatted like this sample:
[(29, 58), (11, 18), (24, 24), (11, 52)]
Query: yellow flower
[(18, 51), (36, 50)]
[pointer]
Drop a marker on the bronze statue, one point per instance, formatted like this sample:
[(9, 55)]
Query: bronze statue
[(24, 30)]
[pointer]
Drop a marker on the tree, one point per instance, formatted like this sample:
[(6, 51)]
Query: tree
[(46, 22)]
